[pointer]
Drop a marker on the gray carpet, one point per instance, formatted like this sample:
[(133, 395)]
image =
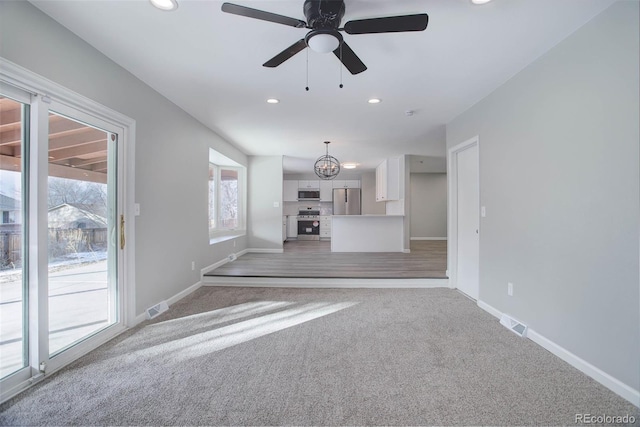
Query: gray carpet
[(255, 356)]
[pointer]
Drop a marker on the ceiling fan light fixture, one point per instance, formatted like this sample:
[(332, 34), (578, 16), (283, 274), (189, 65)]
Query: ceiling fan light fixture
[(166, 5), (323, 41)]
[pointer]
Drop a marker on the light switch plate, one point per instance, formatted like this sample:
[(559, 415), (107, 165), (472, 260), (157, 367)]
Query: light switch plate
[(483, 211), (136, 209), (276, 204)]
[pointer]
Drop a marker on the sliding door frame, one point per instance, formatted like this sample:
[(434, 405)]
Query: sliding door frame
[(43, 93)]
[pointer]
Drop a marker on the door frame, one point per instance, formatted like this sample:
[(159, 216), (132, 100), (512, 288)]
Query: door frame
[(42, 92), (452, 208)]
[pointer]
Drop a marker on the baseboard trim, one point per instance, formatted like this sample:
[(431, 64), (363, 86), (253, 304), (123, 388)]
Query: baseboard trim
[(428, 238), (172, 300), (489, 309), (613, 384), (139, 319), (293, 282), (220, 263), (177, 297), (618, 387)]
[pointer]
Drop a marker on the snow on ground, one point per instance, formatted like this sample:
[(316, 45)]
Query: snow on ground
[(60, 263)]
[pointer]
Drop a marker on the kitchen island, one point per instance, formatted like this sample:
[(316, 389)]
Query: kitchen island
[(367, 233)]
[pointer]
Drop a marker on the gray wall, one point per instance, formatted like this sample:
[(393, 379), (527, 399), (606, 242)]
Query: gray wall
[(265, 187), (559, 178), (171, 150), (428, 205)]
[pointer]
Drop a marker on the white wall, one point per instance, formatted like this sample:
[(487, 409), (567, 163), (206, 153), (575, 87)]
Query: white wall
[(265, 187), (428, 205), (171, 150), (559, 177)]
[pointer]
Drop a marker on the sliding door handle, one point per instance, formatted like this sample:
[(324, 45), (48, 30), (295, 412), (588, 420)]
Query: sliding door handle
[(122, 232)]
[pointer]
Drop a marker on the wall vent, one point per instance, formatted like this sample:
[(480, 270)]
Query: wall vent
[(157, 309), (513, 325)]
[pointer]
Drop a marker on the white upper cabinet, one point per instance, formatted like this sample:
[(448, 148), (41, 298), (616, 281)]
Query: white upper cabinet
[(346, 184), (314, 184), (388, 180), (326, 191), (290, 190)]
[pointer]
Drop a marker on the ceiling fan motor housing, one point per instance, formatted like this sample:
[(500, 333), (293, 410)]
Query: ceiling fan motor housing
[(324, 14)]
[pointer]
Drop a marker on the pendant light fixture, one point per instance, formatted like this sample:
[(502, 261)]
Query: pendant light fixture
[(327, 167)]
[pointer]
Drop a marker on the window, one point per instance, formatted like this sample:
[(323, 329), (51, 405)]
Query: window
[(226, 196)]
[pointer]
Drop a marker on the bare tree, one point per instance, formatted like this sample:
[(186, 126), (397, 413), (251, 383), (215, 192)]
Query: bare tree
[(62, 190)]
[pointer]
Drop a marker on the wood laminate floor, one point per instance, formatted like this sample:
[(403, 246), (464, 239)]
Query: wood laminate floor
[(314, 259)]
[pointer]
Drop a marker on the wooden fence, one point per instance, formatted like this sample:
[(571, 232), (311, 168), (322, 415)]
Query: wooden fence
[(61, 242)]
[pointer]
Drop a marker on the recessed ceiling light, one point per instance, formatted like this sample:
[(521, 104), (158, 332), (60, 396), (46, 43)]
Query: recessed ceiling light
[(375, 101), (480, 1), (167, 5), (273, 101), (349, 165)]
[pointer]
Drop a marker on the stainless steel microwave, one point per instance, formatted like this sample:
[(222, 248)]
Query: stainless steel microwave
[(307, 194)]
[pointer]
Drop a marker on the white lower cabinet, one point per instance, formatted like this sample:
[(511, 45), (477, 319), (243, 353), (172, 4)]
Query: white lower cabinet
[(284, 228), (325, 227), (292, 227)]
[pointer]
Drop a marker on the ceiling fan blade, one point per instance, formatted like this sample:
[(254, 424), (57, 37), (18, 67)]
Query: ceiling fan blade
[(285, 54), (390, 24), (349, 58), (262, 15)]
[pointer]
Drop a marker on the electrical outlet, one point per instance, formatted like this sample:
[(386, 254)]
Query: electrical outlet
[(193, 265), (510, 289)]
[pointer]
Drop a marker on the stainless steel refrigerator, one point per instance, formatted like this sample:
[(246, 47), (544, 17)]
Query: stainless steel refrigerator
[(346, 201)]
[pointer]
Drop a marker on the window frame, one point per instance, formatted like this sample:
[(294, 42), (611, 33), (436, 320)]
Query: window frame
[(218, 233)]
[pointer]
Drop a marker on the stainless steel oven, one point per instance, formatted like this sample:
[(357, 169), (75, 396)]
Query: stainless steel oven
[(309, 225)]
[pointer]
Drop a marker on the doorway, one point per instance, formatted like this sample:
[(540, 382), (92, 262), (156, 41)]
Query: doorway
[(464, 217)]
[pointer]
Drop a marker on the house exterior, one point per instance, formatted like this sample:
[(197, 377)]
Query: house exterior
[(69, 216), (10, 210)]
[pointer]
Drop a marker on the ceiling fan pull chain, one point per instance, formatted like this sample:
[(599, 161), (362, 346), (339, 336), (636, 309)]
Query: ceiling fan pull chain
[(307, 87), (341, 86)]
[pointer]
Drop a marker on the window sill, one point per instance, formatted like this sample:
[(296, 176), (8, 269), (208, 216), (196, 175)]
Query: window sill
[(223, 236)]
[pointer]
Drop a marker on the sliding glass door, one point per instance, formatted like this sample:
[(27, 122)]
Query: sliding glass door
[(81, 199), (61, 235), (14, 124)]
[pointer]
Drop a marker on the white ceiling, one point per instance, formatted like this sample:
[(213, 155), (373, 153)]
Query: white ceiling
[(210, 64)]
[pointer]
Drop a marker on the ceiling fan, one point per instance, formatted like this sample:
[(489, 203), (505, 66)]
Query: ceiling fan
[(323, 19)]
